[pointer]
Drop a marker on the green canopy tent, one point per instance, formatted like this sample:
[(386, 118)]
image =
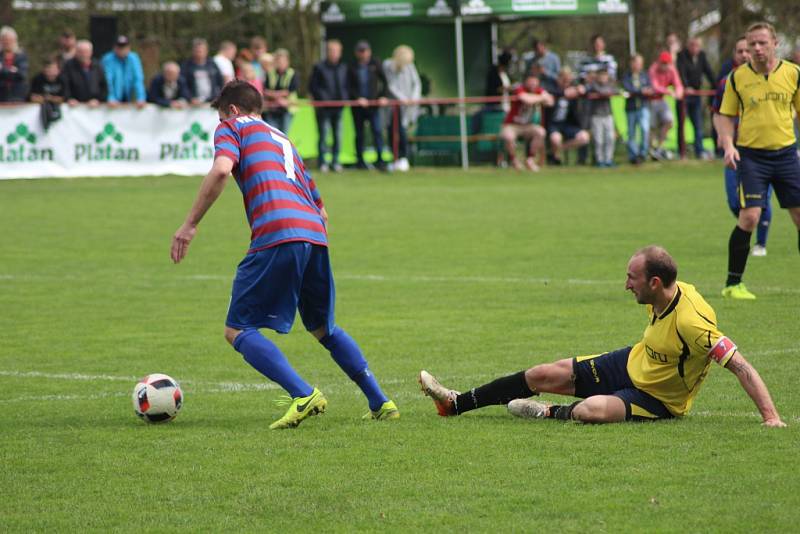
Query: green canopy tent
[(345, 18)]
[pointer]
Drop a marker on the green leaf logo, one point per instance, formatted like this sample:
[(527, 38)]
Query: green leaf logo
[(21, 132), (109, 131), (195, 130)]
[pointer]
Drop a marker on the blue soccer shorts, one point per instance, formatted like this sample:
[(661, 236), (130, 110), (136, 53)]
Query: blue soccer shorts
[(272, 284), (760, 168), (607, 374)]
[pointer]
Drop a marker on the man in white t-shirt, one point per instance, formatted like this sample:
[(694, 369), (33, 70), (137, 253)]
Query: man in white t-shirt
[(224, 60)]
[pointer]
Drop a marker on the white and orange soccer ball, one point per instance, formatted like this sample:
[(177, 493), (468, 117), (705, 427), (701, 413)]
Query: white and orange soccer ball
[(157, 398)]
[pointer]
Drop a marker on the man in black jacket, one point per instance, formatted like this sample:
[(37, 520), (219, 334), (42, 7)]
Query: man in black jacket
[(564, 128), (692, 66), (168, 89), (201, 74), (84, 78), (366, 81), (329, 82)]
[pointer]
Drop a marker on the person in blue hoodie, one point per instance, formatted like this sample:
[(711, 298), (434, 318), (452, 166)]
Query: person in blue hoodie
[(124, 74)]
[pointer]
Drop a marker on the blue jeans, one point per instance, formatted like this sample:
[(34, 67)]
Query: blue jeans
[(732, 190), (373, 117), (279, 120), (640, 117), (694, 109), (326, 116)]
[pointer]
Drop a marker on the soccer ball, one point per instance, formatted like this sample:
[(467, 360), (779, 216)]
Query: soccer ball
[(157, 398)]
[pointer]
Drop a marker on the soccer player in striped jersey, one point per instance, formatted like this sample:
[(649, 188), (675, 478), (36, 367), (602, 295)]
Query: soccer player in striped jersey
[(286, 267)]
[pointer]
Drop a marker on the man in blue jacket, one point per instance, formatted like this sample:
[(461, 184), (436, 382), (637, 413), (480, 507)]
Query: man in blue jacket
[(124, 74)]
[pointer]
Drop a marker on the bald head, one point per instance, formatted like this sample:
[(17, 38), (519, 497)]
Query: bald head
[(658, 263), (83, 51), (171, 71)]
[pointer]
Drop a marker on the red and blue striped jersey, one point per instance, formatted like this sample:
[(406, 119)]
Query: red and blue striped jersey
[(280, 197)]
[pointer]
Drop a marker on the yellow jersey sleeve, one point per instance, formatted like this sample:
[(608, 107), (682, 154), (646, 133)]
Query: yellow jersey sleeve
[(704, 339), (730, 99)]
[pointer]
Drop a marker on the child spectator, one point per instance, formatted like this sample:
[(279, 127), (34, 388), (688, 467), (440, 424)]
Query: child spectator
[(249, 75), (47, 89), (48, 86), (602, 121)]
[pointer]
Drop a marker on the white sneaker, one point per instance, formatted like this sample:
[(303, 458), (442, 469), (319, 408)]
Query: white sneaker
[(759, 250), (443, 398), (324, 168), (527, 409), (402, 165), (337, 167)]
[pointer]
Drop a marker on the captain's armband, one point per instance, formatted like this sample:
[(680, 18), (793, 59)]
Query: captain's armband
[(722, 350)]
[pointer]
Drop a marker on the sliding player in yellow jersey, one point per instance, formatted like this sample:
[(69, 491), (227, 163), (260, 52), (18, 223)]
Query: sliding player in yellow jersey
[(658, 378)]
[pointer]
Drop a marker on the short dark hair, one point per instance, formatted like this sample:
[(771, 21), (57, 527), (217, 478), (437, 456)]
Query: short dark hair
[(239, 93), (658, 262)]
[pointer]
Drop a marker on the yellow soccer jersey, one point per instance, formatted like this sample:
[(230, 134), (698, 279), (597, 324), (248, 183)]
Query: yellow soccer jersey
[(764, 105), (672, 360)]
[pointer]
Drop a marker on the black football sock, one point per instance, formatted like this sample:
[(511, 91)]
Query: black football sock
[(738, 249), (500, 391), (562, 412)]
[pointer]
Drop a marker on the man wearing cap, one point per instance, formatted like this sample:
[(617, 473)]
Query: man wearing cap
[(124, 74), (665, 80), (365, 82)]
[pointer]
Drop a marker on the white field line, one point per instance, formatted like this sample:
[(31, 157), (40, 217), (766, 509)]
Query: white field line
[(227, 278)]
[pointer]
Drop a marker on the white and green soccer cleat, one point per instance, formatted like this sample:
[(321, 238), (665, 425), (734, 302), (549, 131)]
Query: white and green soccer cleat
[(300, 408), (387, 412), (527, 409)]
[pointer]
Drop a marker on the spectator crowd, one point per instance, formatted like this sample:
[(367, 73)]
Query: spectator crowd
[(553, 108), (74, 75)]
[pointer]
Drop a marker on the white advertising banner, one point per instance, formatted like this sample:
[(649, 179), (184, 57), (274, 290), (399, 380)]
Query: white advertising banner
[(106, 142)]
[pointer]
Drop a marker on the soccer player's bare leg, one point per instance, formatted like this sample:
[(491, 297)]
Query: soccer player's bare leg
[(554, 377), (600, 409)]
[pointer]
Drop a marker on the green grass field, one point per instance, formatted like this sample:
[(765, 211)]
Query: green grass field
[(469, 275)]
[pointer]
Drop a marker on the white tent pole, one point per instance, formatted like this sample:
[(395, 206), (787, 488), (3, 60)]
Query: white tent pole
[(495, 53), (462, 114), (631, 30)]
